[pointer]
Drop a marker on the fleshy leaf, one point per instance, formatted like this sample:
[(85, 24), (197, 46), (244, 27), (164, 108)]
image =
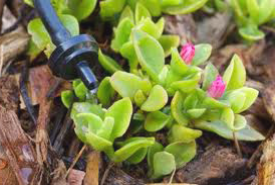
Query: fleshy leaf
[(127, 13), (86, 107), (210, 74), (108, 63), (236, 99), (184, 7), (218, 127), (155, 121), (202, 53), (98, 143), (177, 64), (81, 91), (235, 74), (81, 9), (152, 150), (185, 86), (127, 84), (191, 101), (121, 111), (253, 10), (149, 52), (138, 156), (157, 99), (67, 98), (128, 51), (131, 147), (168, 42), (183, 134), (93, 121), (141, 12), (212, 103), (105, 92), (109, 8), (196, 113), (153, 6), (106, 129), (228, 117), (139, 98), (183, 152), (251, 33), (163, 164), (122, 34), (250, 97), (265, 10), (149, 27), (177, 109)]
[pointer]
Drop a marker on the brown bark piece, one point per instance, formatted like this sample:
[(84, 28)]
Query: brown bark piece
[(92, 170), (119, 177), (266, 167), (15, 143), (269, 99), (215, 163)]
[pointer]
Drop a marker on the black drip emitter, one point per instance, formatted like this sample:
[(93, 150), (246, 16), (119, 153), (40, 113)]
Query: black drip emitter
[(73, 56)]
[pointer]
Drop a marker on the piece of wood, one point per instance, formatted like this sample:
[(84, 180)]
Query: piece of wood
[(171, 184), (16, 145), (92, 169)]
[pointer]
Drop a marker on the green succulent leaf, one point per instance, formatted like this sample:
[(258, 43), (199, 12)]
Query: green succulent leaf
[(185, 86), (163, 164), (177, 109), (93, 121), (131, 148), (149, 27), (141, 13), (236, 99), (152, 150), (127, 84), (122, 34), (81, 9), (139, 98), (41, 38), (110, 8), (183, 152), (81, 91), (156, 121), (105, 92), (168, 42), (138, 156), (228, 117), (167, 3), (179, 133), (196, 113), (67, 98), (253, 10), (185, 7), (191, 101), (218, 127), (121, 111), (235, 74), (157, 99), (251, 33), (106, 129), (250, 97), (86, 107), (128, 51), (127, 13), (210, 74), (265, 10), (177, 64), (108, 63), (202, 53), (153, 6), (98, 143), (212, 103), (149, 52)]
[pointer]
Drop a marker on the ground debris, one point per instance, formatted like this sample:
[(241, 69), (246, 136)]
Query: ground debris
[(217, 163), (266, 167)]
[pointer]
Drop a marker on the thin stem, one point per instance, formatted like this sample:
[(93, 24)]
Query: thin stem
[(76, 159), (237, 145), (106, 173), (172, 176)]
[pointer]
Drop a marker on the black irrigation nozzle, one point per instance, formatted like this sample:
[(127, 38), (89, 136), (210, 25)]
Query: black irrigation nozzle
[(73, 56)]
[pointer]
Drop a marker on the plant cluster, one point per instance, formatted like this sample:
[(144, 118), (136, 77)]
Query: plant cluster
[(111, 9), (164, 93)]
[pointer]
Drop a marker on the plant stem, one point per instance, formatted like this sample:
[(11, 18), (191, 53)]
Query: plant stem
[(237, 145), (76, 159)]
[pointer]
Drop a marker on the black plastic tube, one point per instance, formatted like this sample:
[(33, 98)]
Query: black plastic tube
[(57, 31)]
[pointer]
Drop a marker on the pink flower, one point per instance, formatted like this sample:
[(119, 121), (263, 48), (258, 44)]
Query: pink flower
[(216, 88), (187, 53)]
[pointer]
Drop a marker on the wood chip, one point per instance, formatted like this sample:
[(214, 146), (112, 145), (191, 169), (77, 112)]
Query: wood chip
[(92, 170), (215, 163), (269, 99)]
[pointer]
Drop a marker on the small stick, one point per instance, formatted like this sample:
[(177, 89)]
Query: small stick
[(106, 173), (1, 59), (237, 145), (76, 159), (172, 177)]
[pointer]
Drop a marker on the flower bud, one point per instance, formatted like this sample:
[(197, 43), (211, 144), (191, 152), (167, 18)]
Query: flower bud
[(187, 53), (217, 88)]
